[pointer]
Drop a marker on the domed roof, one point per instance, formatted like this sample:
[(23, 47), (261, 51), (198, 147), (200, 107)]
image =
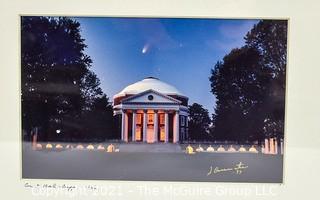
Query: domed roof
[(149, 83)]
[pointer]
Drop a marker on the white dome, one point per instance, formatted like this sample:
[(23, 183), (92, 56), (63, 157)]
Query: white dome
[(149, 83)]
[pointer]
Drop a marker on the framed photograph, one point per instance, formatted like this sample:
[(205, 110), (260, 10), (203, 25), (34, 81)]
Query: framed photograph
[(159, 99), (117, 91)]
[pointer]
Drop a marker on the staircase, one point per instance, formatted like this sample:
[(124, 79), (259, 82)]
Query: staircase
[(145, 147)]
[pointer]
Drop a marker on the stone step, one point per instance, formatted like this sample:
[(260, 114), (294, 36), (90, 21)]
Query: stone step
[(145, 147)]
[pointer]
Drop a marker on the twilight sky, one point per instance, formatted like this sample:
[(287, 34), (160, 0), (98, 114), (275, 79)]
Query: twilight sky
[(180, 52)]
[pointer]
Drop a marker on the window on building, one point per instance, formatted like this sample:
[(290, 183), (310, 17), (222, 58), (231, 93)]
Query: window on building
[(182, 120)]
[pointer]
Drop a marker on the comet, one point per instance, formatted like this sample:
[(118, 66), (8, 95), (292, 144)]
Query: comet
[(145, 48)]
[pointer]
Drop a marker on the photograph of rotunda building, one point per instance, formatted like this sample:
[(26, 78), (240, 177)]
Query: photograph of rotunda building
[(151, 111)]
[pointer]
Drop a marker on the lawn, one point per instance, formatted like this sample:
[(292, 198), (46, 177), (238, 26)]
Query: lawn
[(150, 166)]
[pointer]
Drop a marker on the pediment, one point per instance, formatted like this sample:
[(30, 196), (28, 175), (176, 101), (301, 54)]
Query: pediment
[(151, 96)]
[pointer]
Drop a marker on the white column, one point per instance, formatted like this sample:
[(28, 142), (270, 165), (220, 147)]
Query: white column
[(266, 146), (155, 126), (271, 144), (275, 146), (281, 146), (123, 124), (166, 126), (145, 116), (126, 127), (184, 132), (134, 125), (176, 127)]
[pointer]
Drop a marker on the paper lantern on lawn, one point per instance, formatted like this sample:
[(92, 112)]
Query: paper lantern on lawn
[(210, 149), (100, 147), (242, 149), (221, 149), (49, 146), (253, 149), (69, 146), (59, 146), (199, 149), (231, 149), (80, 146), (90, 147), (38, 146), (189, 149), (110, 148), (116, 150)]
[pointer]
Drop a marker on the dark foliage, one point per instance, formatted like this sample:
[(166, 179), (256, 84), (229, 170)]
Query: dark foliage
[(59, 92), (249, 85), (199, 122)]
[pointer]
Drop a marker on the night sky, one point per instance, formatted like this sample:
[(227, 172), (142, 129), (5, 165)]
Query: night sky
[(180, 52)]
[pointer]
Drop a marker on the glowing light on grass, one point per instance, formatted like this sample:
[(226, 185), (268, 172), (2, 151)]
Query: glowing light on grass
[(199, 149), (110, 148), (38, 146), (49, 146), (242, 149), (231, 149), (100, 147), (80, 146), (90, 147), (189, 150), (59, 146), (210, 149), (253, 149), (221, 149)]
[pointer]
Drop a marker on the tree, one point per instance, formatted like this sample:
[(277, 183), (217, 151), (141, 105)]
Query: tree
[(199, 122), (270, 38), (98, 122), (247, 86), (239, 85), (56, 82)]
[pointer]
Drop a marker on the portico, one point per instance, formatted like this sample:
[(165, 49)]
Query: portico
[(149, 125), (151, 116)]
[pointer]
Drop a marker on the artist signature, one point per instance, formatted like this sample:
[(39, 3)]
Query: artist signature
[(238, 169)]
